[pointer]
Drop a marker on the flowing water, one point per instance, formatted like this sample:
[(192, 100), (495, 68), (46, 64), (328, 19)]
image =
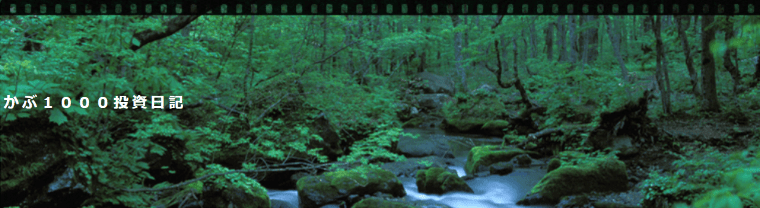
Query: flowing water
[(489, 192)]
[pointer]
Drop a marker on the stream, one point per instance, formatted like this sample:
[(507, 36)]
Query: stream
[(490, 191)]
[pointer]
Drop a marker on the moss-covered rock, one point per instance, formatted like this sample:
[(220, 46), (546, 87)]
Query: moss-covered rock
[(380, 203), (464, 125), (495, 127), (440, 181), (414, 122), (553, 165), (377, 202), (242, 197), (600, 174), (316, 191), (524, 160), (501, 168), (481, 157)]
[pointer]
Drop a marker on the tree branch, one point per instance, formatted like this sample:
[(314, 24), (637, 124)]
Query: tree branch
[(333, 54), (498, 21), (172, 26)]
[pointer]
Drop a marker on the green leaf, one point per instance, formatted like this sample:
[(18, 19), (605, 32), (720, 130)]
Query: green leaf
[(56, 116), (143, 165), (135, 42), (11, 117)]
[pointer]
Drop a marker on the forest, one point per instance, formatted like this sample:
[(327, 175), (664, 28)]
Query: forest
[(380, 111)]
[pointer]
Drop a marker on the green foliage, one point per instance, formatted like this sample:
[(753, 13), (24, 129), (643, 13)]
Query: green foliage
[(710, 179), (265, 80), (579, 95), (377, 145), (483, 105)]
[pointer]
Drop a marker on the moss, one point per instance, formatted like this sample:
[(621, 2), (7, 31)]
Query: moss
[(197, 186), (315, 191), (495, 127), (23, 175), (361, 175), (438, 181), (553, 165), (466, 124), (414, 122), (490, 154), (607, 174), (524, 160), (570, 155), (379, 203)]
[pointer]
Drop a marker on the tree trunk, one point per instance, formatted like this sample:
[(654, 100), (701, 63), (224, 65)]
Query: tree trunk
[(561, 42), (549, 40), (687, 53), (573, 44), (728, 29), (458, 52), (708, 65), (757, 69), (614, 39), (661, 74), (518, 83), (533, 41), (591, 35)]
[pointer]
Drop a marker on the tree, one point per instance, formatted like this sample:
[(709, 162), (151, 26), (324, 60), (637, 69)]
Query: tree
[(661, 75), (561, 40), (709, 89), (549, 40), (572, 54), (682, 22), (615, 40), (730, 54), (589, 38), (455, 20)]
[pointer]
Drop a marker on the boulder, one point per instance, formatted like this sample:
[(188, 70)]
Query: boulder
[(464, 125), (554, 163), (423, 146), (495, 127), (440, 181), (477, 126), (430, 83), (331, 145), (481, 157), (602, 174), (333, 187), (501, 168), (377, 202), (410, 166), (254, 196), (523, 160), (485, 88), (433, 102)]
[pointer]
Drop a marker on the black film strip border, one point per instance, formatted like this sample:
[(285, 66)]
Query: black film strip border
[(379, 7)]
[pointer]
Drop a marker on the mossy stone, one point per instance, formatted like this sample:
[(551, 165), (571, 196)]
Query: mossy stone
[(316, 191), (553, 165), (524, 161), (465, 124), (414, 122), (495, 127), (593, 174), (489, 154), (373, 202), (439, 181)]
